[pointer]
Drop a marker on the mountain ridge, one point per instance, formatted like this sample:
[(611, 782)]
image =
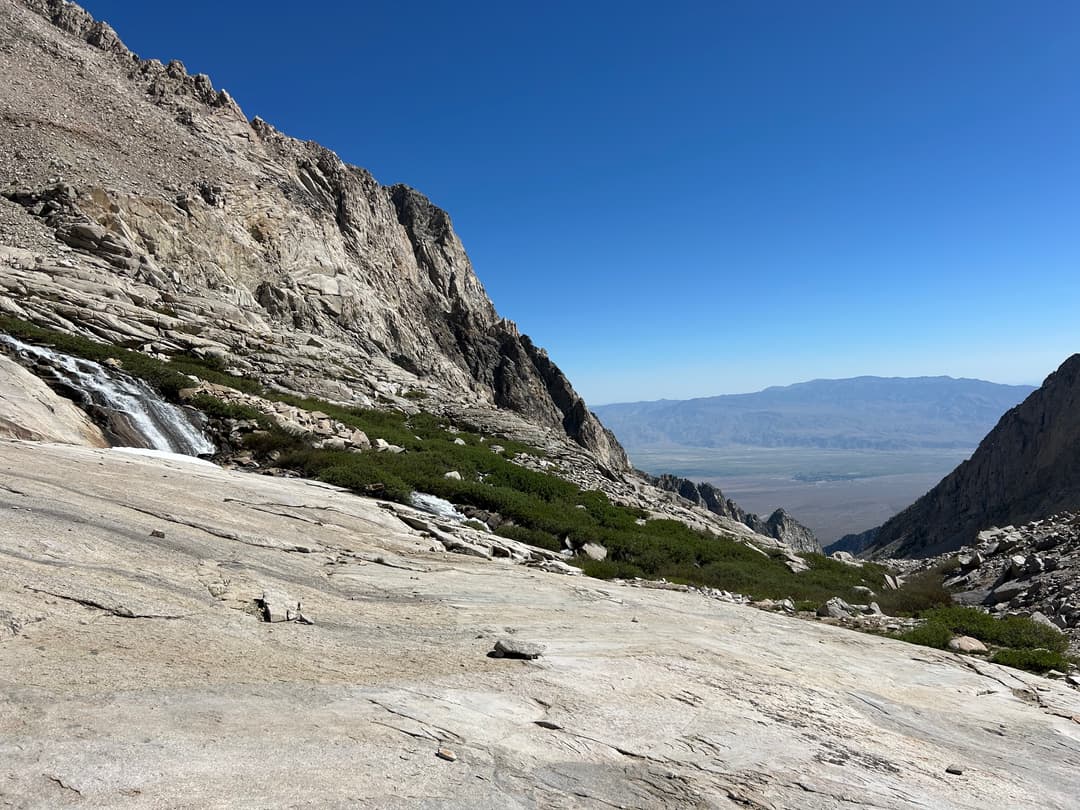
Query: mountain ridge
[(869, 412), (198, 230), (1026, 468)]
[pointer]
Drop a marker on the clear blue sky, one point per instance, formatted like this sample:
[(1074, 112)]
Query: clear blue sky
[(684, 199)]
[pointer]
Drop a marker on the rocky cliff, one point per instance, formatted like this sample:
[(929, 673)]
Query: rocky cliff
[(779, 525), (140, 206), (1027, 467)]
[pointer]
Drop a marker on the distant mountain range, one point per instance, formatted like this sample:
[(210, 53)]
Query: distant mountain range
[(1026, 468), (874, 413)]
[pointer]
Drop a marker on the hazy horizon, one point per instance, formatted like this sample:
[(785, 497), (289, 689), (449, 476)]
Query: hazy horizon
[(815, 379)]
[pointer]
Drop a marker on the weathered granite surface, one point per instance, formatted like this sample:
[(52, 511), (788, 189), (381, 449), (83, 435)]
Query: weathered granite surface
[(137, 670)]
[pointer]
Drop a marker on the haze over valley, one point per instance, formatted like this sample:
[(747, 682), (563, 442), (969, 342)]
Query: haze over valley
[(839, 455)]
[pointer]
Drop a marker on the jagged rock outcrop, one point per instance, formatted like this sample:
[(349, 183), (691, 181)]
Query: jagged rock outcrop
[(779, 525), (1027, 467), (1031, 570), (142, 207)]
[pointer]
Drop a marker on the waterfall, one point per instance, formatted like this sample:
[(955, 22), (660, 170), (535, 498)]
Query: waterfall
[(136, 416)]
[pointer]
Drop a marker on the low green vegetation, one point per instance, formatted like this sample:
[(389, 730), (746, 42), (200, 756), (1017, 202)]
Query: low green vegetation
[(168, 378), (920, 592), (546, 511), (539, 509), (1021, 642)]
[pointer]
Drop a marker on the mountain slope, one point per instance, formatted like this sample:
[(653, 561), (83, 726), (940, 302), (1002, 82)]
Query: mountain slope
[(143, 208), (1027, 467), (858, 413)]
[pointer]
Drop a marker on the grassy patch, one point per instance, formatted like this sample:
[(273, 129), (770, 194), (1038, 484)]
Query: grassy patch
[(1007, 631)]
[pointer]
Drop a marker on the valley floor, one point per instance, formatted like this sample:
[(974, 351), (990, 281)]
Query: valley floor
[(833, 492), (135, 670)]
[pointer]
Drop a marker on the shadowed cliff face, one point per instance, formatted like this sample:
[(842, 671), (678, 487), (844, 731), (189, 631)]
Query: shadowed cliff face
[(160, 217), (1028, 467)]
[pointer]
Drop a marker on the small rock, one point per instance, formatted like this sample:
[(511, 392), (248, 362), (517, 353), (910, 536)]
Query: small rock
[(835, 608), (447, 754), (459, 441), (955, 770), (158, 533), (514, 648), (453, 475), (594, 551)]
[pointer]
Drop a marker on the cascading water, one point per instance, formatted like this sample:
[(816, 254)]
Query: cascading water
[(135, 413)]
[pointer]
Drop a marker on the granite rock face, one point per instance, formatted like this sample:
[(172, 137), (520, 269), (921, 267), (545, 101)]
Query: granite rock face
[(29, 409), (140, 206), (779, 525), (143, 668), (1027, 468)]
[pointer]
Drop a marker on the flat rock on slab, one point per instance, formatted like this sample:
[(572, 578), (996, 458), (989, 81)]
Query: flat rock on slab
[(513, 648)]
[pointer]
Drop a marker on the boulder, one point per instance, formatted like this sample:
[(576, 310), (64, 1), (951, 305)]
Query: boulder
[(594, 551), (966, 644)]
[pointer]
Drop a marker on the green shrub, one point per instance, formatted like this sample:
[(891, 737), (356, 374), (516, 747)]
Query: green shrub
[(931, 634), (1036, 660), (212, 406), (608, 569), (1007, 631), (919, 593)]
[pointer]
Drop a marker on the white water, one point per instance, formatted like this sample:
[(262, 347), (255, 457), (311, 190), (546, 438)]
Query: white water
[(163, 426), (432, 504)]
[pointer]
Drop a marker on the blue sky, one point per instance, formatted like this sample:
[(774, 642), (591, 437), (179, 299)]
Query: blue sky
[(685, 199)]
